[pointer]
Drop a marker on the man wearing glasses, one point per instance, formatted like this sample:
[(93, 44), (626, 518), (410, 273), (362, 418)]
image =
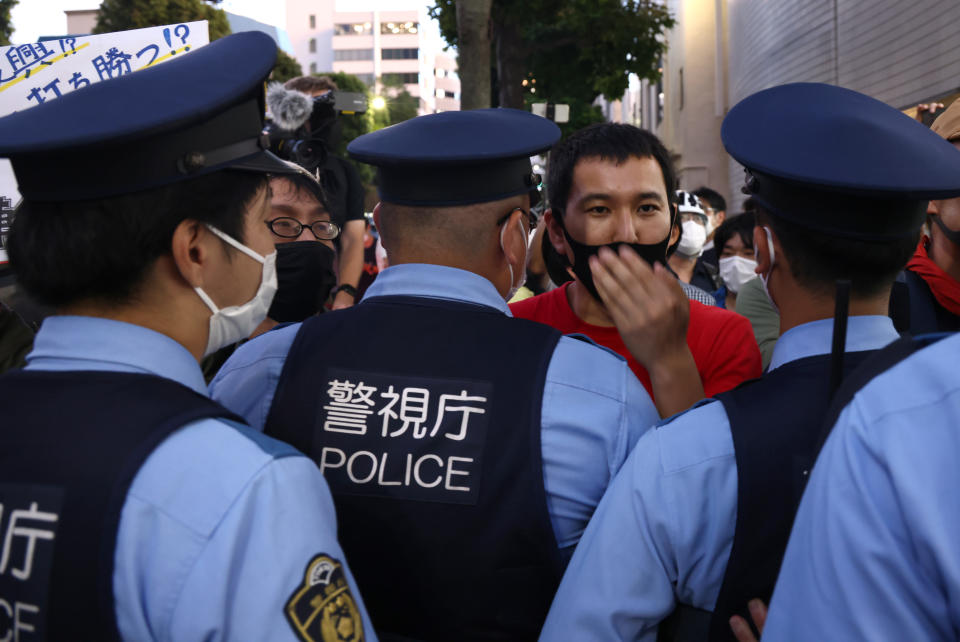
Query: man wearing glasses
[(465, 449), (306, 255), (303, 234)]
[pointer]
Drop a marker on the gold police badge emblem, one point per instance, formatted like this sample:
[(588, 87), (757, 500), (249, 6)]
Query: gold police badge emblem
[(322, 609)]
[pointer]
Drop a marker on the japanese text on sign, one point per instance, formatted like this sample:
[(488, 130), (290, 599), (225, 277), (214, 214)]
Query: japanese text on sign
[(29, 517), (415, 438), (32, 74)]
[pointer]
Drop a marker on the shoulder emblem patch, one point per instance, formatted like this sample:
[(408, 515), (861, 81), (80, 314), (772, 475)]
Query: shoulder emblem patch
[(322, 609)]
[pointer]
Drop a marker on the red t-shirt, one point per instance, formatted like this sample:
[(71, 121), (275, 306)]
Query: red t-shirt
[(721, 341)]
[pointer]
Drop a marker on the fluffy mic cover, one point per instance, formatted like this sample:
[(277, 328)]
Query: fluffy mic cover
[(290, 109)]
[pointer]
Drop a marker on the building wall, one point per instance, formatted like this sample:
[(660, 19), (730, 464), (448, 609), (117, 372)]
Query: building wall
[(693, 97), (372, 45), (446, 82), (899, 52), (311, 21), (81, 21)]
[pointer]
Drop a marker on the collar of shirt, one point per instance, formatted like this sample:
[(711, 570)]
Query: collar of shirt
[(438, 282), (869, 332), (88, 343)]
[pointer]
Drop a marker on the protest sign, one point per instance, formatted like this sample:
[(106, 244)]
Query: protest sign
[(32, 74)]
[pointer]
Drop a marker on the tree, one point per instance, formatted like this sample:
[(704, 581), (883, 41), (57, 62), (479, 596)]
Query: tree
[(286, 67), (473, 43), (120, 15), (566, 50), (6, 26), (401, 105)]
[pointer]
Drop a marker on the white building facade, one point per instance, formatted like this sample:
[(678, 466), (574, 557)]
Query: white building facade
[(385, 49)]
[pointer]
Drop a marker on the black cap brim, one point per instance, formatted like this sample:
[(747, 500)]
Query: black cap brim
[(264, 162)]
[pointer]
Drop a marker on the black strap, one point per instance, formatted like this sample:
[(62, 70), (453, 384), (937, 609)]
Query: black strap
[(899, 308), (686, 624), (840, 315)]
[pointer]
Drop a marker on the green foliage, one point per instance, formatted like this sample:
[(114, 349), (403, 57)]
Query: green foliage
[(401, 107), (579, 49), (401, 104), (286, 67), (121, 15), (6, 26)]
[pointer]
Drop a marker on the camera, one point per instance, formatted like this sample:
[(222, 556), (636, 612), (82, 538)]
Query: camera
[(300, 125)]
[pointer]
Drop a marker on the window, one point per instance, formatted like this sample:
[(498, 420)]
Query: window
[(391, 28), (313, 21), (367, 79), (352, 29), (399, 54), (313, 45), (352, 54), (401, 78), (313, 67)]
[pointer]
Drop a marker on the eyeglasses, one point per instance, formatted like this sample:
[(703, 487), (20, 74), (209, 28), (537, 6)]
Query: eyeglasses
[(290, 228), (532, 218), (693, 216)]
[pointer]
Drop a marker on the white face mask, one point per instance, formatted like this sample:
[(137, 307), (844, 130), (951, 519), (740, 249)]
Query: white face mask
[(523, 273), (233, 323), (765, 277), (737, 270), (691, 243)]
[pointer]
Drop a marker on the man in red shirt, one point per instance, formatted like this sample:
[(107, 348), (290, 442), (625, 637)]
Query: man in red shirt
[(612, 186)]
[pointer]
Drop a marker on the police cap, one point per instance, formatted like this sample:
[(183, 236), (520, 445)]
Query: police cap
[(196, 114), (839, 162), (457, 157)]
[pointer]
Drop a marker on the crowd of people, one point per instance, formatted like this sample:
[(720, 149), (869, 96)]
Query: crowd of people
[(604, 408)]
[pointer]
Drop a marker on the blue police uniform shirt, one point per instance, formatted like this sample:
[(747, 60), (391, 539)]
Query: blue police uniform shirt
[(212, 543), (873, 553), (664, 530), (594, 408)]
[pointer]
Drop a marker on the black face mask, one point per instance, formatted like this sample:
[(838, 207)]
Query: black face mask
[(651, 253), (953, 235), (304, 279)]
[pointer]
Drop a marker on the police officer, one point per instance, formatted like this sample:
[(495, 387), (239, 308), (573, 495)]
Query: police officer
[(133, 506), (465, 449), (873, 553), (700, 513)]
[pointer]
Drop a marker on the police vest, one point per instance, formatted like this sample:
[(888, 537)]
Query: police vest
[(424, 417), (775, 423), (70, 447), (914, 309)]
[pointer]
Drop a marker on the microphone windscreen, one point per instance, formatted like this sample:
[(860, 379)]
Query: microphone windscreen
[(290, 109)]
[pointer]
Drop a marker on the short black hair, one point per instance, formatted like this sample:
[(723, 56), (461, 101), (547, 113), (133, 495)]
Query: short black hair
[(818, 260), (740, 225), (64, 252), (301, 184), (609, 141), (712, 197)]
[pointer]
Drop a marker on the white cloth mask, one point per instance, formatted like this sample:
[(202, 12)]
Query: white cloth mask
[(233, 323), (523, 272), (737, 270), (691, 243), (766, 277)]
